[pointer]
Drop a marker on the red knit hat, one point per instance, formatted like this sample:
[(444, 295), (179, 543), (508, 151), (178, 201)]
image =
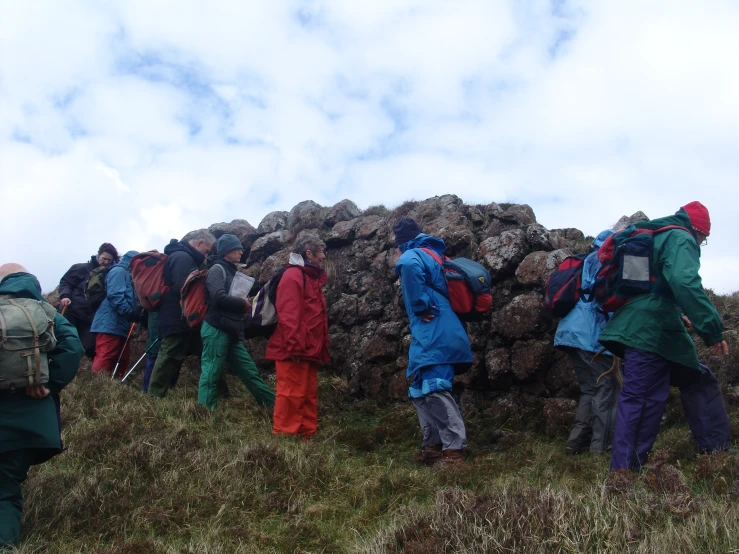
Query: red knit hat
[(699, 218)]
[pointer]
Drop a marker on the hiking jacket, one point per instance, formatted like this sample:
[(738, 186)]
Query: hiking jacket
[(302, 318), (442, 340), (582, 326), (182, 259), (115, 313), (72, 286), (26, 422), (225, 312), (652, 322)]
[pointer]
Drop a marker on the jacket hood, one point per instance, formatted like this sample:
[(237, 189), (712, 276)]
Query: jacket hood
[(22, 285), (680, 218), (181, 246), (125, 262), (425, 241)]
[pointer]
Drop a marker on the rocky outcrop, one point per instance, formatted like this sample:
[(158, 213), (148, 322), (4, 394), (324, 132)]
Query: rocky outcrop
[(516, 368)]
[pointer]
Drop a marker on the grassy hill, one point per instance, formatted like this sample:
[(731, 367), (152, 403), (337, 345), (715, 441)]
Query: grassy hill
[(149, 476)]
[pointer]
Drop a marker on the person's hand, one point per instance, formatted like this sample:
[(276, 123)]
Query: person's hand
[(686, 322), (720, 348), (64, 302), (37, 391), (429, 316), (247, 303)]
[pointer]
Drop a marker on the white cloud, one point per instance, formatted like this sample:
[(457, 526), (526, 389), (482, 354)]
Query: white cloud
[(134, 122)]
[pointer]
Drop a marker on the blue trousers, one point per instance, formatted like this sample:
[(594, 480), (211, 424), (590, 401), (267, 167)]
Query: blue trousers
[(647, 380)]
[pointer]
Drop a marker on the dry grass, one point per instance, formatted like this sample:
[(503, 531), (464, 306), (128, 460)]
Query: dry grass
[(144, 475)]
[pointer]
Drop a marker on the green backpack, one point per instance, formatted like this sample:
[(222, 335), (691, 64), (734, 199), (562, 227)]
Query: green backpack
[(95, 289), (27, 334)]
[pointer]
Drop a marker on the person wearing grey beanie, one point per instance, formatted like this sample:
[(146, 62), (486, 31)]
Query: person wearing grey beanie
[(227, 243), (222, 330)]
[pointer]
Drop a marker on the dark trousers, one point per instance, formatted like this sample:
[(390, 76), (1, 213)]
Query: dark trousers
[(596, 411), (13, 471), (86, 337), (647, 379)]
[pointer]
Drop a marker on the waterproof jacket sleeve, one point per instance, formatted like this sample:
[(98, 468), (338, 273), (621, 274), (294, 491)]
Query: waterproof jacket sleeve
[(412, 271), (71, 280), (64, 360), (679, 259), (290, 309), (220, 301), (120, 291)]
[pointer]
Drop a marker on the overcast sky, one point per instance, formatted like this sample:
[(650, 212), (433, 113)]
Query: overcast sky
[(136, 121)]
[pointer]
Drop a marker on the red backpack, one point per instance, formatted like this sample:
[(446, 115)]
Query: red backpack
[(147, 273), (562, 290), (468, 286), (193, 300)]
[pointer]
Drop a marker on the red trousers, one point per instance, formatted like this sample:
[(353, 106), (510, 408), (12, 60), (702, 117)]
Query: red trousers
[(107, 349), (296, 405)]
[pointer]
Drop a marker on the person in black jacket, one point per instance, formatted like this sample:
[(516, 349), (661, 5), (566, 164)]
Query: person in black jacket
[(74, 304), (175, 336), (223, 330)]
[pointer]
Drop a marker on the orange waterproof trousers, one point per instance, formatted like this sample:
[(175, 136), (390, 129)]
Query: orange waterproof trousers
[(296, 405)]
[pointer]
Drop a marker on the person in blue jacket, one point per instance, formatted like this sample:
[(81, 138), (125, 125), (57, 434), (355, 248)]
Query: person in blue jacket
[(577, 335), (113, 319), (439, 345)]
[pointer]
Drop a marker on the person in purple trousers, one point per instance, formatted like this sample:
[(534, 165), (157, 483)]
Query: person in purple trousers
[(649, 333)]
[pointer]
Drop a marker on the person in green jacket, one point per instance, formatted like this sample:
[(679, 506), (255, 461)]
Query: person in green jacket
[(649, 333), (30, 427)]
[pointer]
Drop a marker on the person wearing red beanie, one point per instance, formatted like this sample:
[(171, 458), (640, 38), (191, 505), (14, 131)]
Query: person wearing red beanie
[(650, 336)]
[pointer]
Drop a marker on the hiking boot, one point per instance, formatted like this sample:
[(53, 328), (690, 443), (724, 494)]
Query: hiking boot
[(429, 455), (452, 458)]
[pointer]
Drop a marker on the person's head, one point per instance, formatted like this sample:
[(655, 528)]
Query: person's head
[(311, 248), (201, 240), (7, 269), (405, 230), (700, 220), (107, 254), (229, 248)]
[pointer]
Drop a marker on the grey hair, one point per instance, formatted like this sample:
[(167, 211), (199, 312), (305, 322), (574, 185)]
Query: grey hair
[(198, 235), (307, 242)]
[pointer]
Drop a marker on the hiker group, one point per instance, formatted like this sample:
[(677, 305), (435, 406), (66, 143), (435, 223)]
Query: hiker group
[(632, 299)]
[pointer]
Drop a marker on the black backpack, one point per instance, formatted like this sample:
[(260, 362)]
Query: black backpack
[(95, 287), (563, 287), (262, 319)]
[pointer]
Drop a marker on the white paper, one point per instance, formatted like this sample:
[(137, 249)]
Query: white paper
[(241, 285)]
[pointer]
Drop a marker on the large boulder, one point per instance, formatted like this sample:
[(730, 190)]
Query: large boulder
[(523, 316), (241, 228), (501, 254), (626, 220), (536, 268), (305, 215), (273, 221), (342, 211), (267, 245), (531, 357)]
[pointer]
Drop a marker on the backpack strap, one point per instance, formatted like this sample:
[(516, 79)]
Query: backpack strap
[(36, 346), (439, 261)]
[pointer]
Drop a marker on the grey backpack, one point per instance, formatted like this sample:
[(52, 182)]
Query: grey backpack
[(27, 334)]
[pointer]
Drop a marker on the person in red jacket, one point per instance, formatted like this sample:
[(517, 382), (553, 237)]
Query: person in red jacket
[(300, 341)]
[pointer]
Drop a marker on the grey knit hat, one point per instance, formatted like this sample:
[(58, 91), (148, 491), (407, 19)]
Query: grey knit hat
[(227, 243)]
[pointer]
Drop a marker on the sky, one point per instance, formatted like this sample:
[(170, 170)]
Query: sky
[(136, 121)]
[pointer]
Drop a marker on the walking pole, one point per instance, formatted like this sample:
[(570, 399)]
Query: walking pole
[(139, 361), (122, 350), (64, 309)]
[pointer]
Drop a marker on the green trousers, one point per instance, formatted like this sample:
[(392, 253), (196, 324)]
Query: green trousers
[(13, 470), (218, 347), (172, 352)]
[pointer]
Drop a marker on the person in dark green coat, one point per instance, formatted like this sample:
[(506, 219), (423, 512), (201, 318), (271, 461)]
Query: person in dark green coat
[(650, 334), (30, 428)]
